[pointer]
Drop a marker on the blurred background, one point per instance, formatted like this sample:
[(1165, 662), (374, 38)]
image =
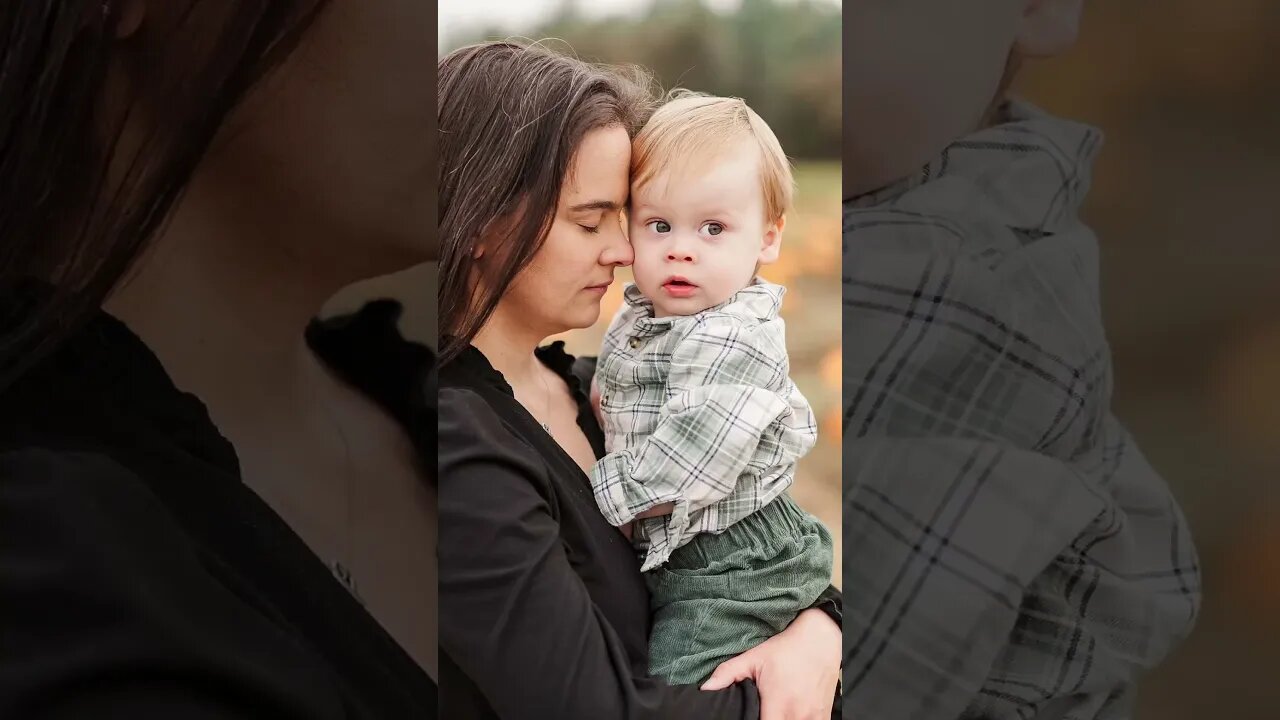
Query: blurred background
[(1186, 209), (783, 58)]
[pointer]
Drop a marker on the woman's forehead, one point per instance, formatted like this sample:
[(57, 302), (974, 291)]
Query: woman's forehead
[(601, 169)]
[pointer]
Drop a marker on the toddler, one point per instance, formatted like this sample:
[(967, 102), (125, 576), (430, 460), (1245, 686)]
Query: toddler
[(702, 421)]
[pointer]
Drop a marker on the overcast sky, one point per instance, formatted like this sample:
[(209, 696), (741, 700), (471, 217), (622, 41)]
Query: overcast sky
[(517, 15)]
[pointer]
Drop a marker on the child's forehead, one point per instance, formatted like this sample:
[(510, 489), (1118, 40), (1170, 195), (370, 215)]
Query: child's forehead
[(726, 180), (693, 170)]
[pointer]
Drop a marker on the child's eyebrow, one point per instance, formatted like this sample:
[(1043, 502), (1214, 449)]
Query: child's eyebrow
[(595, 205)]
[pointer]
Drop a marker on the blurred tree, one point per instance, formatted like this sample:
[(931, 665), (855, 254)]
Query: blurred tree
[(783, 58)]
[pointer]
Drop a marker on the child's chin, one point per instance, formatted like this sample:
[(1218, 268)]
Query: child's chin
[(679, 306)]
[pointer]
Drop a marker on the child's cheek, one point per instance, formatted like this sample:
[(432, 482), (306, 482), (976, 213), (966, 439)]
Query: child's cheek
[(641, 266)]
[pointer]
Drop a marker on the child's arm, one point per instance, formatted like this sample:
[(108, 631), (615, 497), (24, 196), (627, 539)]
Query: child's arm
[(720, 406)]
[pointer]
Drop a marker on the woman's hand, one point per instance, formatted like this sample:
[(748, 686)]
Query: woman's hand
[(796, 670)]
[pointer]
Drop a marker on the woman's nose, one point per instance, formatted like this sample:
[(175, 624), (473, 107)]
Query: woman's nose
[(618, 252)]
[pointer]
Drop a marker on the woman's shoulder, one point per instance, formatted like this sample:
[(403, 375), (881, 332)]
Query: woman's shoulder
[(479, 448), (93, 518), (83, 532), (80, 506), (68, 481), (468, 421)]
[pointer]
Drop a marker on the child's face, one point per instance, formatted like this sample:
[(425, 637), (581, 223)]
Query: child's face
[(698, 234), (918, 74)]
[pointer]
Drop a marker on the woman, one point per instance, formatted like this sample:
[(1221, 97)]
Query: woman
[(182, 185), (543, 610)]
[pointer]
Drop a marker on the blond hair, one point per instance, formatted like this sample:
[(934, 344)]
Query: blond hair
[(692, 125)]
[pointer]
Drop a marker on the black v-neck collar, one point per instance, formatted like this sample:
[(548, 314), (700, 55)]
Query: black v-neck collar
[(367, 350), (106, 370), (472, 368)]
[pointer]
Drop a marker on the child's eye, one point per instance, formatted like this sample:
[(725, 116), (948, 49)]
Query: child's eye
[(660, 226), (712, 228)]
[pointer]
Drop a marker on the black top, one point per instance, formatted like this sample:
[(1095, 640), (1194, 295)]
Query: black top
[(140, 578), (543, 609)]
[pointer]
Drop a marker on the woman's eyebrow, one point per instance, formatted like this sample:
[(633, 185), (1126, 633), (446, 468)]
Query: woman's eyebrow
[(595, 205)]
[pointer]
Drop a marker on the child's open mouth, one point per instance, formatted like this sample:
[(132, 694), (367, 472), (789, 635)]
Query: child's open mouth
[(679, 287)]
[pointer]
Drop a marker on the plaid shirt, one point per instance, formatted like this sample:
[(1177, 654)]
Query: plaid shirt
[(700, 411), (1008, 551)]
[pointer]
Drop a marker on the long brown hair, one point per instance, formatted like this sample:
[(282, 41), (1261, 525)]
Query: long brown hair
[(79, 198), (511, 117)]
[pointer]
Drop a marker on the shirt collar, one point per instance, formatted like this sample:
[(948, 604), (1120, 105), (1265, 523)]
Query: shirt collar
[(99, 382), (1034, 167)]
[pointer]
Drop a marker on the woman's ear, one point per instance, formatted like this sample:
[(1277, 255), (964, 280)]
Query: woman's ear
[(125, 16), (772, 241), (497, 229), (1048, 27)]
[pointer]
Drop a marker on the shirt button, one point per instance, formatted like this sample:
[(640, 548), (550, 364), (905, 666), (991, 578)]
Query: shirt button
[(635, 343)]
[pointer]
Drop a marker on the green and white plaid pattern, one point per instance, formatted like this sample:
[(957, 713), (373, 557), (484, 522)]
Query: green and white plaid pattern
[(1008, 551), (700, 411)]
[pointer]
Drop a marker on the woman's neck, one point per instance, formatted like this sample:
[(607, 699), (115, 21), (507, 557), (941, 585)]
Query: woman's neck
[(509, 346), (223, 300)]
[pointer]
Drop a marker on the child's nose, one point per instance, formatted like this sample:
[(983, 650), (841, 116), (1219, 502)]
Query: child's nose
[(678, 253)]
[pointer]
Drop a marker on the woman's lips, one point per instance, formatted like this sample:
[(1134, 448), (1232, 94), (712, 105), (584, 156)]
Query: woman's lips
[(601, 288), (678, 287)]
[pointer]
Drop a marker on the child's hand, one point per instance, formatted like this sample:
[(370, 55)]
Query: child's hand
[(594, 396), (663, 509)]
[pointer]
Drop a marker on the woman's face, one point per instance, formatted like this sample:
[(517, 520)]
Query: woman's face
[(346, 125), (561, 288)]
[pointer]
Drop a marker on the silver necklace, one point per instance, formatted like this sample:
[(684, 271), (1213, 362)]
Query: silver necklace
[(545, 426), (340, 571)]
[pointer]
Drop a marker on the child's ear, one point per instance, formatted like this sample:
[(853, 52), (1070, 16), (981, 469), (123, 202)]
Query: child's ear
[(1048, 27), (772, 241)]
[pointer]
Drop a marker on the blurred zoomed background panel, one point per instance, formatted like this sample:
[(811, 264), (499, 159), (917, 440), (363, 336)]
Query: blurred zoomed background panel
[(1185, 205)]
